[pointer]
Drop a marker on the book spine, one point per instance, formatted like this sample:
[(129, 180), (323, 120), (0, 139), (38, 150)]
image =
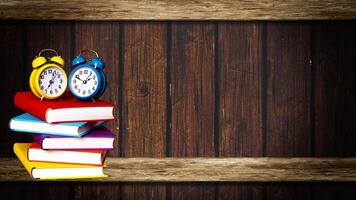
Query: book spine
[(38, 139), (25, 105)]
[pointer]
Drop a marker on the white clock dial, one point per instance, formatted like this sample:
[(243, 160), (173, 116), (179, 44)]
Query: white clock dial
[(84, 82), (52, 81)]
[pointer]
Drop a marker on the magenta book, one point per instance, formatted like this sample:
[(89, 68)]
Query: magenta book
[(100, 138)]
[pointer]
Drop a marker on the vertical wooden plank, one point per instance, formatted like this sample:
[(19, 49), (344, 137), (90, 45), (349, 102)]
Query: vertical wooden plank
[(193, 99), (334, 47), (42, 35), (12, 190), (102, 37), (335, 72), (330, 191), (240, 103), (288, 96), (52, 190), (11, 55), (144, 99), (97, 191)]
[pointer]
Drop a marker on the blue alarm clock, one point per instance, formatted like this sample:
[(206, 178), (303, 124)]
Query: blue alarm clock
[(87, 81)]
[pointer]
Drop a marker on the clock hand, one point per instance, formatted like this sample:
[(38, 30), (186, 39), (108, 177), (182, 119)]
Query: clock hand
[(88, 77), (77, 77)]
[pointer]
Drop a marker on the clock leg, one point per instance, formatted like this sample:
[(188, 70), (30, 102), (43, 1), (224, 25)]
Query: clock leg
[(41, 99), (93, 100)]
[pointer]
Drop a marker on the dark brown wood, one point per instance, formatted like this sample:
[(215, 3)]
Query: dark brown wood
[(54, 190), (262, 169), (240, 104), (335, 110), (334, 46), (288, 131), (103, 38), (321, 94), (96, 191), (178, 10), (193, 98), (11, 46), (144, 99), (329, 191), (42, 35), (13, 190)]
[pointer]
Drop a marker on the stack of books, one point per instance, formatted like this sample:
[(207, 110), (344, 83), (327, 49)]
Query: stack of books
[(69, 137)]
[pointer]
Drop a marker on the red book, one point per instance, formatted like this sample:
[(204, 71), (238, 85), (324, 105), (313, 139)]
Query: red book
[(65, 109), (91, 157)]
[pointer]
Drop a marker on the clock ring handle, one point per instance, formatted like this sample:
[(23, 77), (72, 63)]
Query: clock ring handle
[(89, 50), (44, 50)]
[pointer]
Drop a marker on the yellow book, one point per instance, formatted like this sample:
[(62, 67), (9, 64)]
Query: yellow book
[(47, 170)]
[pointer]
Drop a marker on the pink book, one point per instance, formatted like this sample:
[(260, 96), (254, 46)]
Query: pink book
[(100, 138)]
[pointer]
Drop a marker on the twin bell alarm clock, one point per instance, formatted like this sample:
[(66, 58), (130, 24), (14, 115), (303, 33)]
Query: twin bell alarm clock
[(87, 81), (48, 80)]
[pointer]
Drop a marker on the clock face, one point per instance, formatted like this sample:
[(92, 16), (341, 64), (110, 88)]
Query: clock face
[(52, 81), (84, 82)]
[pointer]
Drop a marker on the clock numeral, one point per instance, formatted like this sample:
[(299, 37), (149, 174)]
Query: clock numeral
[(78, 90), (85, 71), (89, 92), (58, 75), (93, 88), (45, 72), (51, 92), (95, 82), (42, 77), (55, 90), (59, 86), (42, 87), (74, 81), (60, 80), (76, 87), (84, 92), (94, 77), (45, 91), (80, 73), (40, 82), (50, 71)]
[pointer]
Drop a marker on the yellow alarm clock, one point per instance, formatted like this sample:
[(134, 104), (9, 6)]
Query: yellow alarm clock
[(48, 79)]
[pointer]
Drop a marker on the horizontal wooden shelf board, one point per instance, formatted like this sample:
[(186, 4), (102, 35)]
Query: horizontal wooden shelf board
[(178, 10), (209, 169)]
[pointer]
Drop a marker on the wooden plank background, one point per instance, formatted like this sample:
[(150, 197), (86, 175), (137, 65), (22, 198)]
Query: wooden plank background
[(216, 89), (178, 9)]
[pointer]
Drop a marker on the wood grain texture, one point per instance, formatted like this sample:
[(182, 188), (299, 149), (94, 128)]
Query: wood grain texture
[(288, 89), (42, 35), (144, 99), (54, 190), (328, 191), (177, 10), (262, 169), (103, 38), (240, 103), (92, 190), (335, 110), (193, 98), (288, 133), (11, 46)]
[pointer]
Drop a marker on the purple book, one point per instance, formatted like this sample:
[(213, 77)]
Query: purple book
[(100, 138)]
